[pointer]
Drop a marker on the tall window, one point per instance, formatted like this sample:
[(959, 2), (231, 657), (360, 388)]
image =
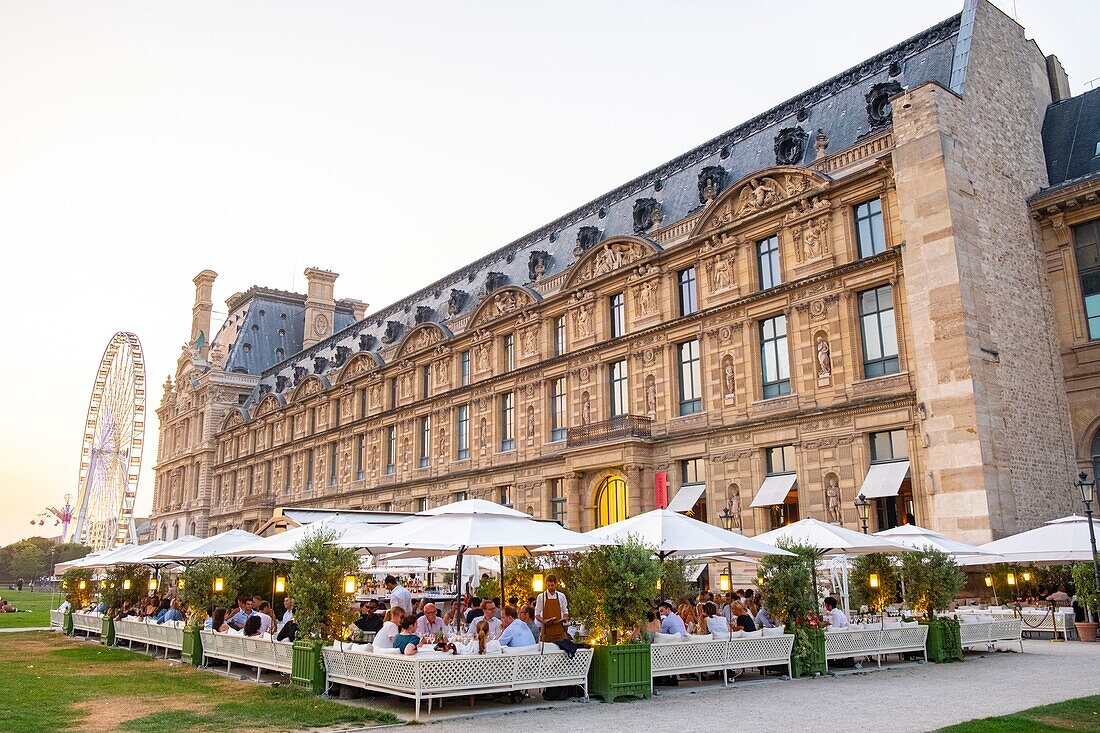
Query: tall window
[(309, 468), (619, 390), (889, 445), (767, 252), (426, 380), (393, 392), (421, 505), (464, 367), (559, 336), (618, 318), (459, 496), (286, 475), (332, 464), (335, 417), (692, 471), (360, 456), (780, 459), (880, 336), (557, 409), (508, 350), (267, 477), (691, 395), (251, 479), (425, 440), (558, 505), (869, 232), (1086, 247), (233, 488), (312, 420), (363, 402), (508, 421), (611, 504), (198, 476), (774, 359), (688, 301), (462, 432), (391, 448), (890, 511)]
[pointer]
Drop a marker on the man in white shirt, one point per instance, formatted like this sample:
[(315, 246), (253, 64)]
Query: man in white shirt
[(552, 611), (429, 625), (834, 617), (399, 596), (490, 615), (288, 614)]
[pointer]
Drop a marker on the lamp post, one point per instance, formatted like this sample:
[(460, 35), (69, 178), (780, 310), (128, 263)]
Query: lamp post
[(1085, 487), (727, 522), (864, 508)]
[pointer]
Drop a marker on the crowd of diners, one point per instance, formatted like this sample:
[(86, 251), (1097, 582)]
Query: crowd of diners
[(153, 608), (254, 617)]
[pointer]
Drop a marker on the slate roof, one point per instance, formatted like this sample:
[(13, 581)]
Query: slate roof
[(837, 106), (1071, 139)]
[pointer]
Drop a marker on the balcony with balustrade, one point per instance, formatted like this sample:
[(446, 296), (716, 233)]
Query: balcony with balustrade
[(618, 428)]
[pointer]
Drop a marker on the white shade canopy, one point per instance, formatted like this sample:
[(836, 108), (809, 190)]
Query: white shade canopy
[(172, 546), (125, 555), (673, 535), (210, 547), (884, 479), (88, 560), (832, 539), (280, 547), (473, 526), (1058, 541), (686, 497), (919, 538), (142, 555), (774, 490)]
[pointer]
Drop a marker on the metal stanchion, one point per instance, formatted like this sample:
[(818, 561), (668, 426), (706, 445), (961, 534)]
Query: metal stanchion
[(1054, 621)]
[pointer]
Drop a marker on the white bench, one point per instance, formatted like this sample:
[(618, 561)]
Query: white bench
[(249, 651), (1038, 620), (88, 622), (57, 618), (990, 633), (875, 642), (429, 675), (168, 636), (690, 657)]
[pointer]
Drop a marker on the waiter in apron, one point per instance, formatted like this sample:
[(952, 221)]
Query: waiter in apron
[(552, 611)]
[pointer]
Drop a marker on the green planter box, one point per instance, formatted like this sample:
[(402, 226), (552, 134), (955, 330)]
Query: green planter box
[(192, 647), (944, 640), (306, 670), (815, 663), (620, 671), (107, 631), (67, 623)]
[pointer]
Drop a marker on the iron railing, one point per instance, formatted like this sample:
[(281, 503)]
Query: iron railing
[(622, 427)]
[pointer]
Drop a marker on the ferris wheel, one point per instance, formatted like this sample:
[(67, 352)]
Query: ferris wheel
[(110, 459)]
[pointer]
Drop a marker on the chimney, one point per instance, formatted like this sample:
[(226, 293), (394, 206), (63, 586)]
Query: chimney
[(358, 308), (1059, 80), (320, 306), (200, 313)]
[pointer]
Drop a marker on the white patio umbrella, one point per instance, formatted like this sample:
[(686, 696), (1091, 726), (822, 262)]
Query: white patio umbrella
[(280, 547), (212, 546), (144, 556), (80, 562), (919, 538), (1058, 541)]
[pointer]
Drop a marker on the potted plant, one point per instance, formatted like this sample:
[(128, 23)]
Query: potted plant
[(610, 589), (77, 584), (199, 582), (874, 581), (932, 580), (789, 585), (1085, 579), (321, 607)]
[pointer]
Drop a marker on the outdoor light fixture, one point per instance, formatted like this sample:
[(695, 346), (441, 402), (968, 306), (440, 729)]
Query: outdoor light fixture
[(658, 584), (1085, 487), (350, 584), (864, 508), (1026, 575), (280, 584), (988, 581), (1011, 578), (152, 583), (537, 583), (126, 584), (219, 585), (724, 582), (82, 585), (874, 580), (180, 583), (727, 518)]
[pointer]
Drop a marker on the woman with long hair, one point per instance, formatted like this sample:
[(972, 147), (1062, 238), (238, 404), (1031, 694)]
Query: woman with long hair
[(217, 621)]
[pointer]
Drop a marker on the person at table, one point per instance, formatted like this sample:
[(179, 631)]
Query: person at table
[(742, 619), (429, 625), (833, 616), (489, 615), (173, 614), (552, 611), (762, 618), (474, 611), (399, 595), (244, 611), (217, 621), (714, 623), (1059, 597), (407, 640), (369, 622), (391, 627), (671, 623), (450, 617), (513, 631), (288, 614), (252, 625), (527, 616)]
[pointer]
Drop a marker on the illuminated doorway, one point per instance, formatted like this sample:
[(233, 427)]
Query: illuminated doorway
[(611, 501)]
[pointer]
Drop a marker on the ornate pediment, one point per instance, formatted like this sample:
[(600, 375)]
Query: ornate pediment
[(506, 301), (311, 385), (607, 257), (234, 418), (269, 404), (424, 336), (759, 192), (358, 365)]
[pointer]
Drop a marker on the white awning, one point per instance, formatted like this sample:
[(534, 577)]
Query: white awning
[(692, 572), (686, 497), (774, 490), (884, 479)]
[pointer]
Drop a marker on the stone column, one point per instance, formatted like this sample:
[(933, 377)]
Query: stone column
[(574, 501), (634, 489)]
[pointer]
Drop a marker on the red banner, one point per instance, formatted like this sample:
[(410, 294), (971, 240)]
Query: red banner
[(660, 489)]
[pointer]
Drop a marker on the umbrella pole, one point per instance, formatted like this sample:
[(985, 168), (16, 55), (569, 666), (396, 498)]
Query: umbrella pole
[(503, 598), (844, 580), (458, 591)]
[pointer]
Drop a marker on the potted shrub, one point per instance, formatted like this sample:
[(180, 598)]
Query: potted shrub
[(1085, 580), (114, 592), (321, 608), (77, 584), (932, 580), (789, 585), (609, 590), (198, 591), (874, 581)]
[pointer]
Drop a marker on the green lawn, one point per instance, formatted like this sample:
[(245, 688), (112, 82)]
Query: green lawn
[(54, 683), (1082, 714), (38, 603)]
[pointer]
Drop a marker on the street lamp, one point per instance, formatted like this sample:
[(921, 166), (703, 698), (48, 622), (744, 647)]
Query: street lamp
[(727, 521), (864, 508), (1085, 487)]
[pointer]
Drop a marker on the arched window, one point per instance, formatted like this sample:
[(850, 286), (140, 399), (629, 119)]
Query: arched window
[(176, 531), (164, 532), (192, 532), (1095, 454), (611, 501)]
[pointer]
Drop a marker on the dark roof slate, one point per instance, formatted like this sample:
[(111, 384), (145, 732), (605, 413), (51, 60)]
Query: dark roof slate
[(1071, 138)]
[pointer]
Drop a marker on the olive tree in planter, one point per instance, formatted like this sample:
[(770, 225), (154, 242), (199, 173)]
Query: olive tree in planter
[(321, 608), (125, 584), (874, 580), (932, 580), (1084, 578), (789, 585), (610, 589), (77, 584), (199, 582)]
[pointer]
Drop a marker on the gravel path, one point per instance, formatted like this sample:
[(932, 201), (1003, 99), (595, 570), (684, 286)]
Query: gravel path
[(907, 697)]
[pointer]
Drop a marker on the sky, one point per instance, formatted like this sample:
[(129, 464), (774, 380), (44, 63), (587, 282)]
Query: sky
[(393, 143)]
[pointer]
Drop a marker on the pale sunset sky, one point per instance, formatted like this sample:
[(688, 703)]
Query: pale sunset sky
[(141, 142)]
